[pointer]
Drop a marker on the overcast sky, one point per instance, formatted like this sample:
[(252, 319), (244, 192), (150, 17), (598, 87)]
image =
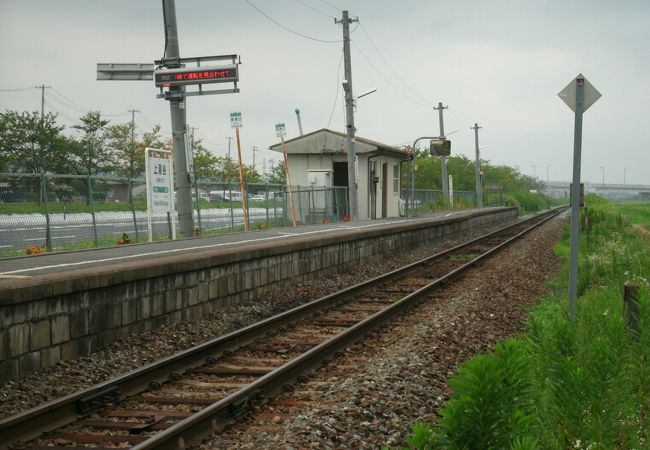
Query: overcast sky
[(498, 63)]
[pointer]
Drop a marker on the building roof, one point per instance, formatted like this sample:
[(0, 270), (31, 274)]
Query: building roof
[(326, 141)]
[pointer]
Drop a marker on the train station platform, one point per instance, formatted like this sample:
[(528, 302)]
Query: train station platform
[(63, 305)]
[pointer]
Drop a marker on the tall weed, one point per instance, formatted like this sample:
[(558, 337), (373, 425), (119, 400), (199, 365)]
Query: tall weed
[(566, 385)]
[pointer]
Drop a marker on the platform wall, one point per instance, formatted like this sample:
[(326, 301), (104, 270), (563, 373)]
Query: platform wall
[(74, 316)]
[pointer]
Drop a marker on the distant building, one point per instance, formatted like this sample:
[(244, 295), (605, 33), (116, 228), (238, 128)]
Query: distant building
[(320, 159), (561, 189)]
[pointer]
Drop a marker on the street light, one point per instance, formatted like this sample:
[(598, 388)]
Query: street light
[(368, 92)]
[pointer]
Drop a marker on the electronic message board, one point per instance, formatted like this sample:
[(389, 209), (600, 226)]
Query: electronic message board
[(196, 75)]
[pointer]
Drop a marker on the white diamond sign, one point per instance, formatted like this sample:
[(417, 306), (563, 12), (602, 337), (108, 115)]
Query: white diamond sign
[(568, 94)]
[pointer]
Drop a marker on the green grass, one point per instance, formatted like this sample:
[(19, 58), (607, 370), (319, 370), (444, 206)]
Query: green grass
[(637, 211), (528, 202), (563, 385)]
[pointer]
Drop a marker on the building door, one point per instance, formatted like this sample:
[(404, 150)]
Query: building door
[(340, 173), (384, 190), (340, 178)]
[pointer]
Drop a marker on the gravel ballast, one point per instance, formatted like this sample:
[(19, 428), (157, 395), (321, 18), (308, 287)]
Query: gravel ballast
[(69, 376)]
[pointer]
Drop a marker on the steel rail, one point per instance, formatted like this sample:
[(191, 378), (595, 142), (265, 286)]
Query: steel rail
[(54, 414), (192, 430)]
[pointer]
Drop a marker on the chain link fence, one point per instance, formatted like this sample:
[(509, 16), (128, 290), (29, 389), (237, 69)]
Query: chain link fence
[(50, 212)]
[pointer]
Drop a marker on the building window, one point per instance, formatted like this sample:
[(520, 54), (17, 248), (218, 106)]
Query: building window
[(395, 179)]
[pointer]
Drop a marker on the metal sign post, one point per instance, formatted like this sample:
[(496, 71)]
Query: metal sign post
[(579, 95), (173, 73), (281, 131), (236, 123), (160, 187)]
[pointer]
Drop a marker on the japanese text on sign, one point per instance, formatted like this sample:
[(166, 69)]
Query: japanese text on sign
[(235, 120), (280, 130)]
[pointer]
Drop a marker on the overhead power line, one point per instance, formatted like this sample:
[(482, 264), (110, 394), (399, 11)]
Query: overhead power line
[(397, 75), (65, 101), (336, 97), (29, 88), (287, 28), (390, 83), (307, 5), (331, 6)]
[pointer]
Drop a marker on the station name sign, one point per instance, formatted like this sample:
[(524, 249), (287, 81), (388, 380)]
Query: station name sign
[(196, 75)]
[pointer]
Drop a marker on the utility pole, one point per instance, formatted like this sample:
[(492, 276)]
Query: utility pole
[(177, 108), (443, 159), (299, 122), (479, 188), (42, 87), (255, 150), (349, 113), (133, 111), (230, 138)]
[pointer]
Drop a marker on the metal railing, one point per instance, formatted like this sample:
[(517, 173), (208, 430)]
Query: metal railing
[(54, 212)]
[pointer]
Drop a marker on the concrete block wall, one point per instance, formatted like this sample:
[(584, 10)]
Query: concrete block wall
[(94, 310)]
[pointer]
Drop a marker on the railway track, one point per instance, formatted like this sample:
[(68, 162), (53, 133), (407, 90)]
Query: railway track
[(179, 400)]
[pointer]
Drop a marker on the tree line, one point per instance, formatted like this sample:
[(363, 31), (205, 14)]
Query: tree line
[(35, 143)]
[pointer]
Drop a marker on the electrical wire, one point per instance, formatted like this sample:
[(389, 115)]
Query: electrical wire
[(17, 89), (330, 5), (399, 91), (286, 28), (66, 102), (336, 97), (391, 68), (74, 122), (315, 9)]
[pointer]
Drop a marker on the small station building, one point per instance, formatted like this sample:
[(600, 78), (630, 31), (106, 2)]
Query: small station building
[(319, 158)]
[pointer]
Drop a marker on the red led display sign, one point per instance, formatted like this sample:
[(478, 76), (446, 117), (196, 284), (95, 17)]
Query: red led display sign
[(196, 75)]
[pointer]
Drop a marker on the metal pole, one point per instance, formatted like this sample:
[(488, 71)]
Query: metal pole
[(196, 183), (575, 199), (242, 183), (230, 138), (443, 159), (412, 196), (92, 210), (349, 113), (42, 87), (135, 222), (177, 109), (631, 307), (286, 171), (479, 188), (603, 170), (299, 122), (48, 230)]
